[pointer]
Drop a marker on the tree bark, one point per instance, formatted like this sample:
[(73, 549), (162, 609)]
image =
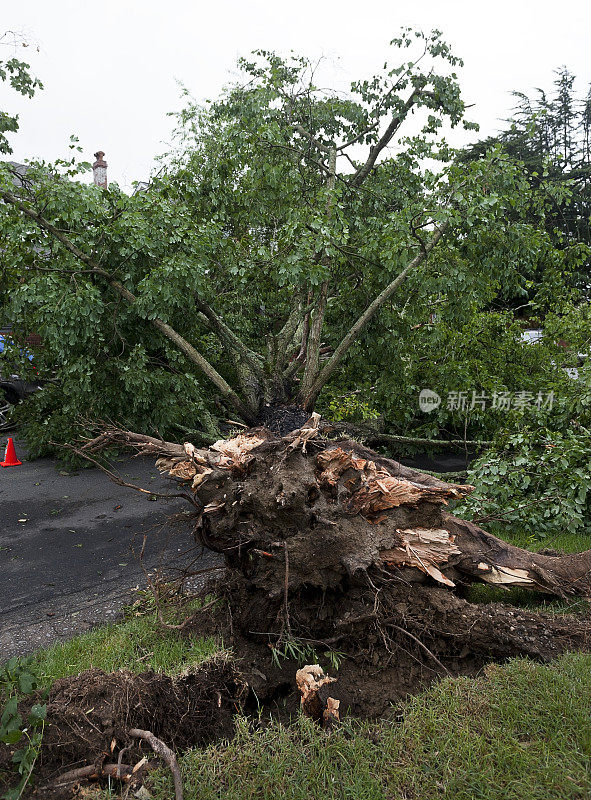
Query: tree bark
[(317, 322)]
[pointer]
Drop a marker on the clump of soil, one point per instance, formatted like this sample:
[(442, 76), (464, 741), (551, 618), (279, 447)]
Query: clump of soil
[(381, 644), (282, 419), (88, 715), (333, 553)]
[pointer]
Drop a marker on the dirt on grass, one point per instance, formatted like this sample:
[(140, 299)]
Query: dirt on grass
[(381, 645), (89, 717)]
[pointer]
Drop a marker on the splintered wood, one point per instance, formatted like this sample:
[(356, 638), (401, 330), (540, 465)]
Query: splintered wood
[(198, 465), (373, 489), (505, 576), (315, 702), (307, 432), (424, 549)]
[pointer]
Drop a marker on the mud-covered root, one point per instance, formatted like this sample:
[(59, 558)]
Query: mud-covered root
[(119, 771), (330, 545), (64, 784)]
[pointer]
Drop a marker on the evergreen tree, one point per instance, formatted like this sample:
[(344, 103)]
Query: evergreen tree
[(551, 135)]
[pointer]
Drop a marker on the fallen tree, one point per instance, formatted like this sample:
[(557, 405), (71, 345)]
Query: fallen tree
[(294, 243), (330, 545), (330, 549)]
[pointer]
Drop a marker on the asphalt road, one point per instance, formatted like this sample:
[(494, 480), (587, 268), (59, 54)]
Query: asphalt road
[(69, 545)]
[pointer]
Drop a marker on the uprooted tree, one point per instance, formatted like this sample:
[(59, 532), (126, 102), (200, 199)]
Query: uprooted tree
[(329, 549), (332, 546), (257, 265), (294, 233)]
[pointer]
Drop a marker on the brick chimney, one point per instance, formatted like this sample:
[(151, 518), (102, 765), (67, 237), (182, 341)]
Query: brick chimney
[(99, 170)]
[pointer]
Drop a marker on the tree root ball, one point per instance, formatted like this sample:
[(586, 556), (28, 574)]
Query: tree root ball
[(332, 548)]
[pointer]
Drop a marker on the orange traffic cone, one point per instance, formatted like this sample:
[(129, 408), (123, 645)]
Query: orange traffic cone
[(10, 459)]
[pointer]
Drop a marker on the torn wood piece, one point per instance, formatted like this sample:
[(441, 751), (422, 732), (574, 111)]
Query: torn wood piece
[(310, 681), (200, 478), (330, 715), (234, 453), (373, 489), (383, 492), (308, 431), (423, 549), (194, 454), (184, 470), (505, 576), (211, 508)]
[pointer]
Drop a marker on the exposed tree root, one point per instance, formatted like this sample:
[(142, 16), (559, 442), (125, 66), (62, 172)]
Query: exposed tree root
[(90, 718), (333, 553), (93, 772), (330, 546), (165, 753), (265, 499), (316, 701)]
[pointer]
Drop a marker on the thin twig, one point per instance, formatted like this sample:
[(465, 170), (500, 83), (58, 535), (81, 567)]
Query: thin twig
[(424, 646), (120, 482), (286, 590)]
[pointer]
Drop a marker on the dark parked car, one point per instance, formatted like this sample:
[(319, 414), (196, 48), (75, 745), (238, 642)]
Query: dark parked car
[(13, 389)]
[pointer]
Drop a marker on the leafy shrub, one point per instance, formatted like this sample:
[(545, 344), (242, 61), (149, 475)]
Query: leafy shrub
[(539, 479), (350, 407), (18, 680)]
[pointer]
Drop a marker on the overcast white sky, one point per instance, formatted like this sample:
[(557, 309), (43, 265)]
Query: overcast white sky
[(110, 68)]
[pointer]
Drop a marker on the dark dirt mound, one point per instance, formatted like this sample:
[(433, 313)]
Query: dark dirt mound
[(337, 555), (88, 712), (381, 644), (330, 547), (282, 419), (387, 643)]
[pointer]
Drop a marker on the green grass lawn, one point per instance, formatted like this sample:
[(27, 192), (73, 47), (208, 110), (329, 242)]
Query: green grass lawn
[(520, 732), (565, 542), (138, 643)]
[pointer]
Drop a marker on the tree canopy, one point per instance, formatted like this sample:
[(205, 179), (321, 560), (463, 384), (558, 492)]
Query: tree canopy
[(296, 241), (550, 134)]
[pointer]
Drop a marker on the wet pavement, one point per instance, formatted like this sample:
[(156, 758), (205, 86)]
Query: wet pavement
[(69, 546)]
